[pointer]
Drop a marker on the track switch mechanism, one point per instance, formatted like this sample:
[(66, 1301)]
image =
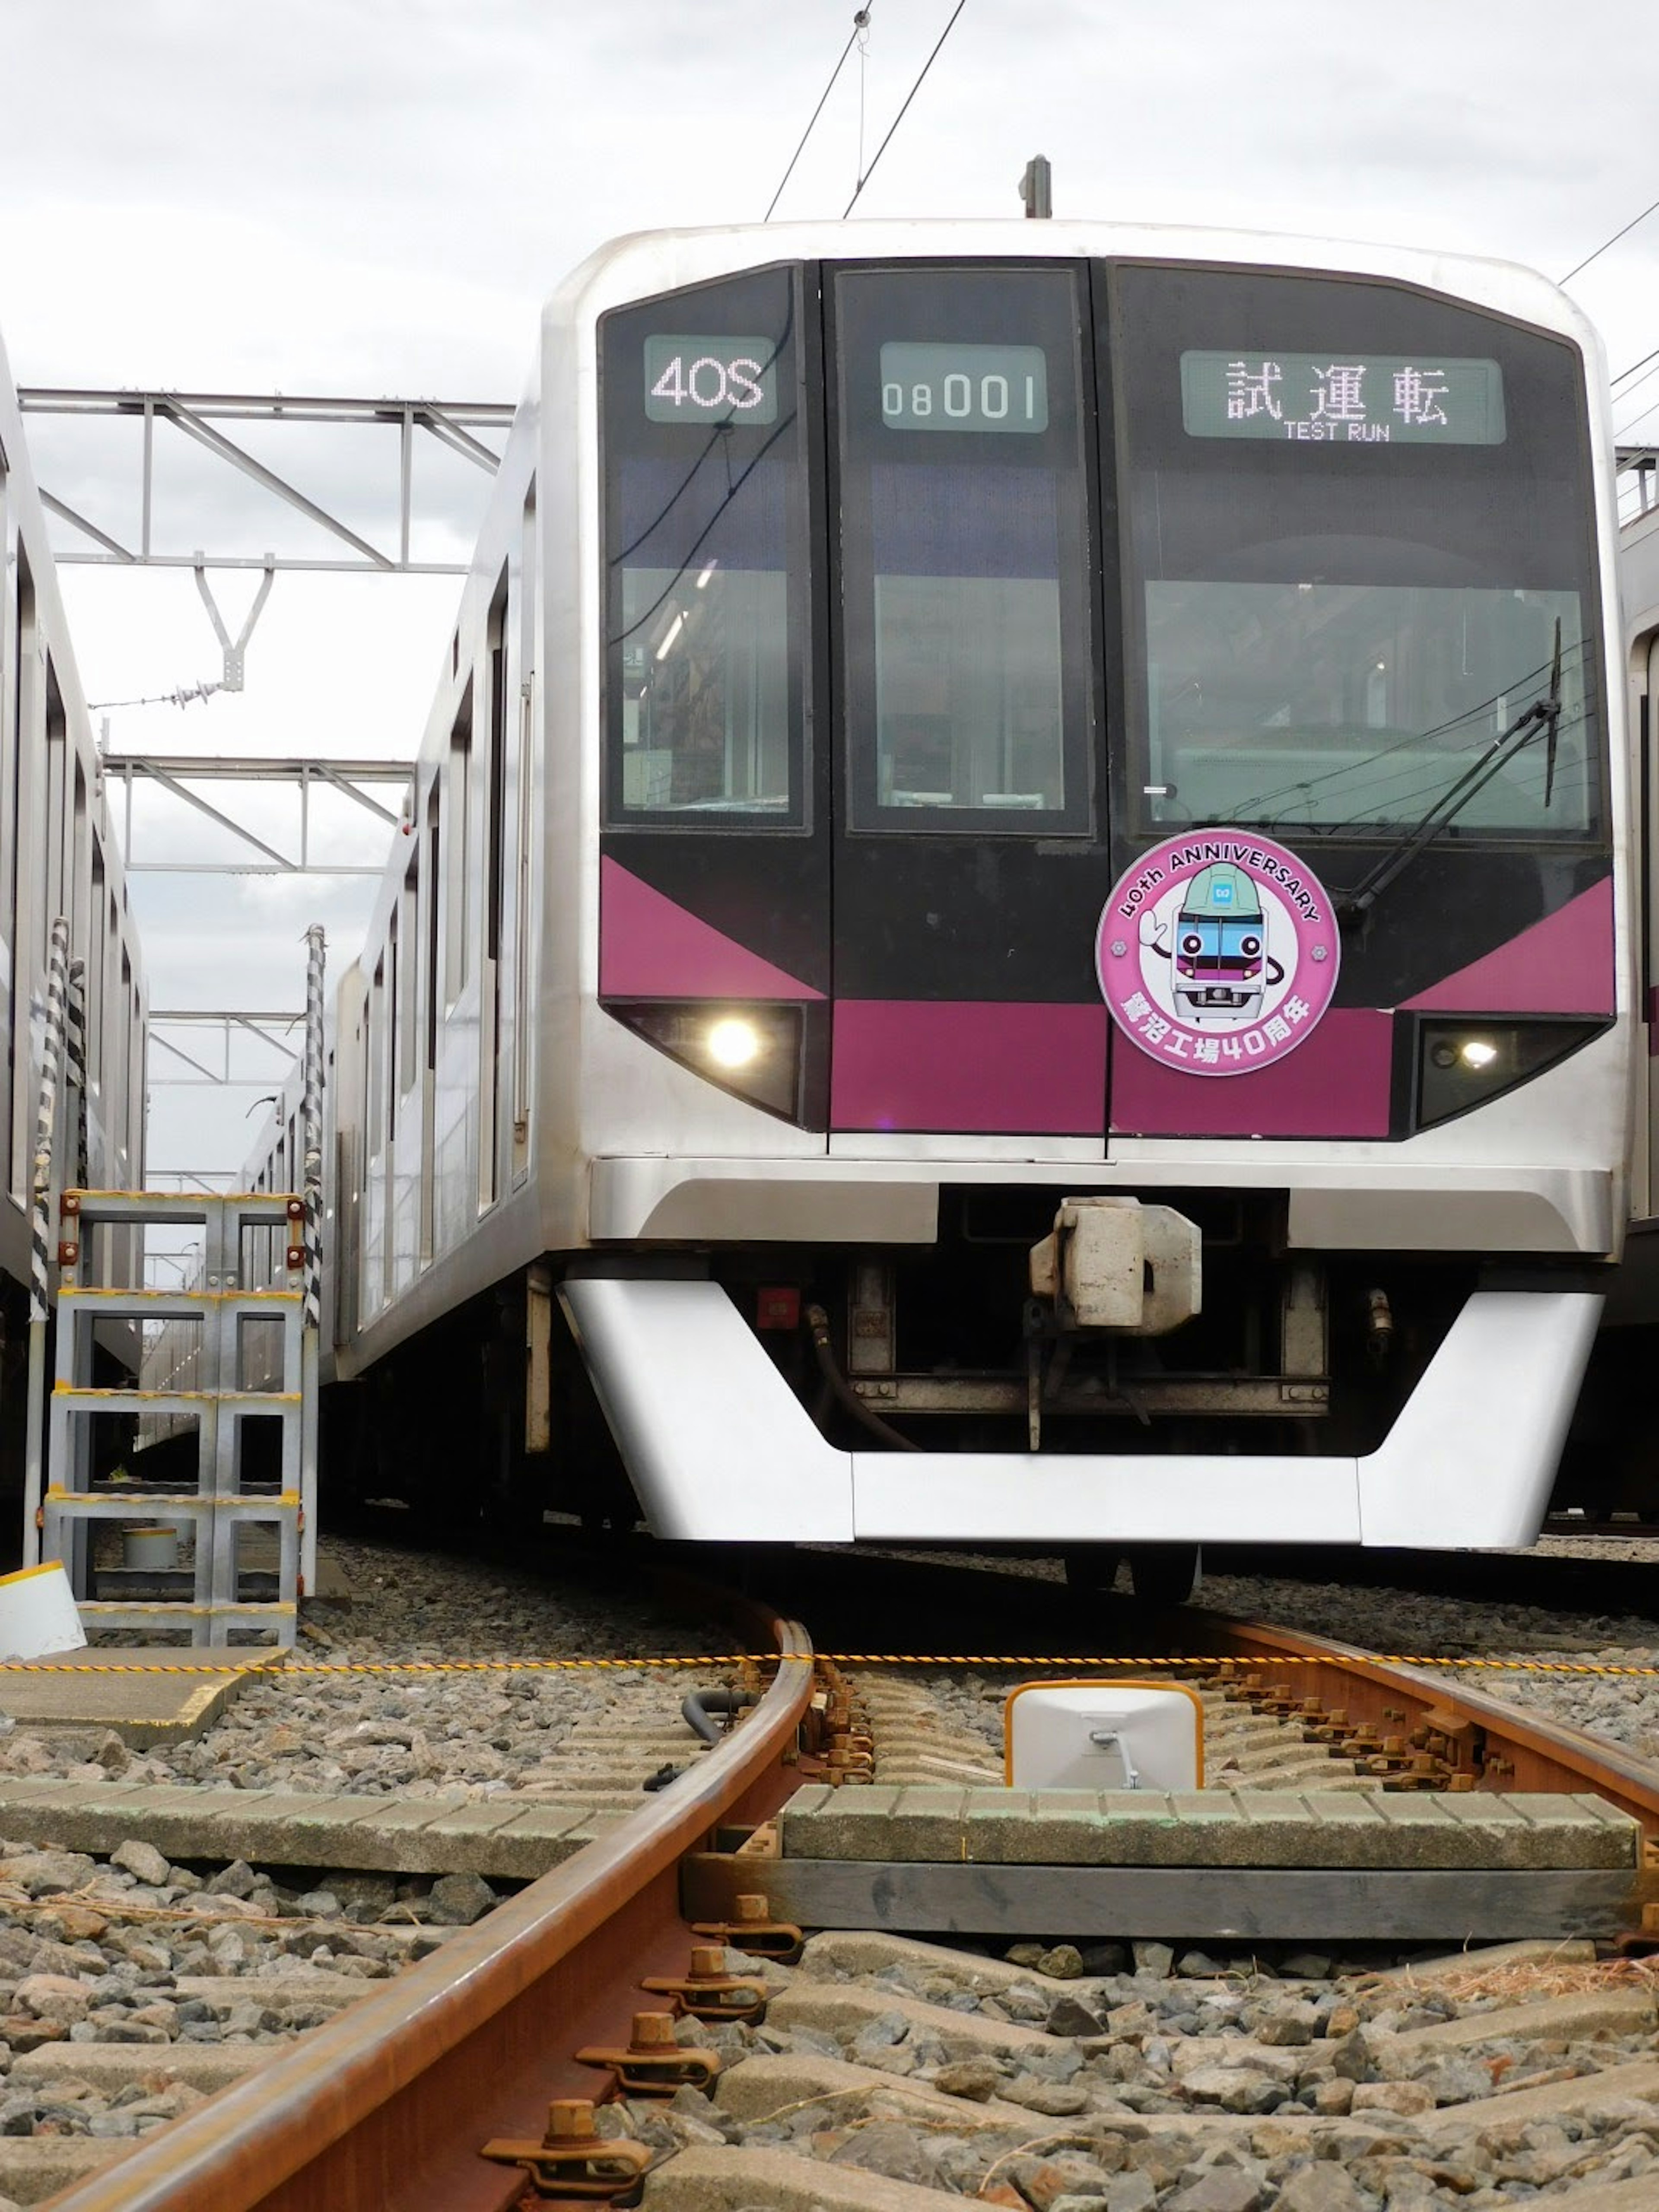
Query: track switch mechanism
[(1112, 1263)]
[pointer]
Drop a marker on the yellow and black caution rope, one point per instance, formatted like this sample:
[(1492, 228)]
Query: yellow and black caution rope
[(274, 1664)]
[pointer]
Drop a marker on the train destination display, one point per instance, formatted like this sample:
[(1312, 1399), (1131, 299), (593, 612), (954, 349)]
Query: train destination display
[(1354, 399)]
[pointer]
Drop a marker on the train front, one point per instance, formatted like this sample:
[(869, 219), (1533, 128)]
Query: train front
[(1109, 1022)]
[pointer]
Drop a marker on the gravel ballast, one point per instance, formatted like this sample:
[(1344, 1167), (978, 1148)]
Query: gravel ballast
[(480, 1735), (1155, 2079), (1149, 2078), (1407, 1623)]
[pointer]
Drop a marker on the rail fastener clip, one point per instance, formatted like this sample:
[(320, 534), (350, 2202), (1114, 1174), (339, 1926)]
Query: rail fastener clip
[(654, 2064), (572, 2161), (708, 1991), (755, 1930)]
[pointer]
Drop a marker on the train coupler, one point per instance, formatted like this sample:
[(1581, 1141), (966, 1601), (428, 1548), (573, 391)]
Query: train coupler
[(572, 2161)]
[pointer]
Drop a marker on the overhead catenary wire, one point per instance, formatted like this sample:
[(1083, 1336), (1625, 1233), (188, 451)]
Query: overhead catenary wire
[(1635, 365), (1579, 268), (1650, 366), (903, 111), (860, 24)]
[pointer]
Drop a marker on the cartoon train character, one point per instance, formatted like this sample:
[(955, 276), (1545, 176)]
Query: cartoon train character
[(1220, 945)]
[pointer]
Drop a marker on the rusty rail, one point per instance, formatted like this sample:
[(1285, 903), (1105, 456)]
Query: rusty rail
[(385, 2108), (1500, 1746)]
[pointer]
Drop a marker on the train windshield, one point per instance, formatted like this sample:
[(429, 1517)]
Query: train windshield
[(1355, 517), (963, 542), (705, 560)]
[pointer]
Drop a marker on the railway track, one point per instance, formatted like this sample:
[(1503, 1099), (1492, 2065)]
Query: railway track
[(391, 2102)]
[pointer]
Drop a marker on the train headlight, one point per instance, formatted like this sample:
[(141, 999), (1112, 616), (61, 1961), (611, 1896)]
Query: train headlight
[(1462, 1064), (754, 1051), (733, 1042), (1475, 1053)]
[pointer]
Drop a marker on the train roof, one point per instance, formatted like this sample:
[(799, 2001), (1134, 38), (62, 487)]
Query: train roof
[(640, 262)]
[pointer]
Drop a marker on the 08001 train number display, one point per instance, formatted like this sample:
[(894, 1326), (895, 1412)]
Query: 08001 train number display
[(963, 387)]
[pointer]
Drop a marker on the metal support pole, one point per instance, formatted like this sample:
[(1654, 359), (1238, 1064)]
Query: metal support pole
[(41, 1225), (310, 1345)]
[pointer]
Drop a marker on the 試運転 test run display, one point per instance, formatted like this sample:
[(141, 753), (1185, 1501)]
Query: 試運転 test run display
[(1359, 399)]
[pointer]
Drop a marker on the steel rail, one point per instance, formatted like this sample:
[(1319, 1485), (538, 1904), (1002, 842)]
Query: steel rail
[(384, 2109), (1541, 1753)]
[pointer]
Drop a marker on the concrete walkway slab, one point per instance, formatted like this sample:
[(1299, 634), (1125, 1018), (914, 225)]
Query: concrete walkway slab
[(147, 1695), (502, 1838), (1357, 1830)]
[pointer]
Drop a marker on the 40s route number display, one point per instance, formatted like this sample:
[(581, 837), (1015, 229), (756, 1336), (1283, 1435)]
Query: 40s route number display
[(710, 380)]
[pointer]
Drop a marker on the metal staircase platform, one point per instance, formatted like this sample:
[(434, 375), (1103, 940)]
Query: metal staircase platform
[(195, 1342)]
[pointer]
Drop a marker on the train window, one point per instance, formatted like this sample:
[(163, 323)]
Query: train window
[(964, 549), (409, 1010), (96, 962), (49, 876), (397, 1019), (434, 892), (375, 1058), (706, 557), (1357, 524), (456, 878)]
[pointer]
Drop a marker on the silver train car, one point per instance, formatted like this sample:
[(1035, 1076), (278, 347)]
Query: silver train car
[(780, 1092), (59, 855)]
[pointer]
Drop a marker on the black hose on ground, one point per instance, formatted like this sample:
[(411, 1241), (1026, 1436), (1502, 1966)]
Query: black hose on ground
[(699, 1707)]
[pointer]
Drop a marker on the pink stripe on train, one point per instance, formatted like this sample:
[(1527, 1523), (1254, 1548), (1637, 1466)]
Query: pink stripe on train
[(1335, 1083), (650, 948), (1561, 965), (970, 1067)]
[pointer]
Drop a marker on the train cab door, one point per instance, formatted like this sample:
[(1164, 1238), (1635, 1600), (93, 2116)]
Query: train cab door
[(714, 874), (970, 854)]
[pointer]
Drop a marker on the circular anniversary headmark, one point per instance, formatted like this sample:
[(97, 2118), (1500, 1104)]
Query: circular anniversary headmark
[(1217, 952)]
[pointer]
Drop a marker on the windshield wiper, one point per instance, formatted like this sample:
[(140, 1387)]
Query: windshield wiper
[(1543, 715)]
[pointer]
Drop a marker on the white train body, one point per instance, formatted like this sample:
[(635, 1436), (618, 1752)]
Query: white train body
[(57, 857), (880, 802)]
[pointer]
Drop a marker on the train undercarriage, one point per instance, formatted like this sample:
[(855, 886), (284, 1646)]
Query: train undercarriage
[(971, 1391)]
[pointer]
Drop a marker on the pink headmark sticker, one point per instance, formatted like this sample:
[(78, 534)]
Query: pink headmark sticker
[(1217, 952)]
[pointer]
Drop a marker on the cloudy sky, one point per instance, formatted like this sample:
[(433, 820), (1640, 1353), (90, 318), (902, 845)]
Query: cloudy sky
[(372, 196)]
